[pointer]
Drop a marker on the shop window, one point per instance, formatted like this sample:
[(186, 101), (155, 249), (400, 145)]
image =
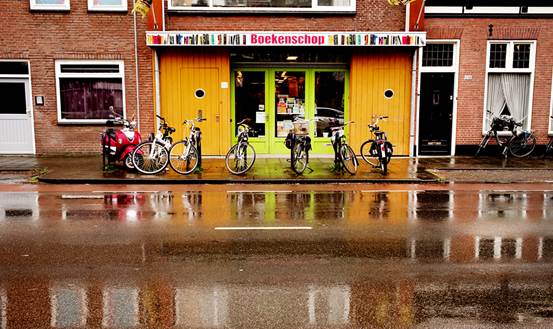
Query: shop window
[(250, 100), (86, 90), (329, 99), (264, 5), (437, 55), (509, 81), (289, 100), (50, 5), (107, 5)]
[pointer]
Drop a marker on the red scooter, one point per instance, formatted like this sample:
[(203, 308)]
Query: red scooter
[(118, 145)]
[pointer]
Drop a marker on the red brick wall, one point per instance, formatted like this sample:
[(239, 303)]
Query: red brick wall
[(372, 15), (474, 37), (42, 37), (45, 36)]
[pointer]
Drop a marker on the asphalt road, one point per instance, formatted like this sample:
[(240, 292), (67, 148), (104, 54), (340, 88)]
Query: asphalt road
[(332, 256)]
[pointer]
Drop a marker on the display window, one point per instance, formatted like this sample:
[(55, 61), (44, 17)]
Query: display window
[(274, 101)]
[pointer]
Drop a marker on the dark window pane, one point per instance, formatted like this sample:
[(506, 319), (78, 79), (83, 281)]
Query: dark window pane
[(437, 55), (190, 3), (329, 98), (250, 99), (90, 98), (14, 68), (498, 55), (521, 56), (80, 68), (13, 99)]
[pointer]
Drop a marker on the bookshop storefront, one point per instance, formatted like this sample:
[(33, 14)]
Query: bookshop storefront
[(271, 80)]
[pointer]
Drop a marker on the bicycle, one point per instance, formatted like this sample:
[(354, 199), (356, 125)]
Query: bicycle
[(344, 156), (185, 155), (508, 135), (299, 143), (549, 147), (378, 151), (152, 156), (241, 156)]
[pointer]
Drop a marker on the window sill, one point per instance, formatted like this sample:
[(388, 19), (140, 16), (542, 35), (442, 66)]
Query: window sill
[(252, 10)]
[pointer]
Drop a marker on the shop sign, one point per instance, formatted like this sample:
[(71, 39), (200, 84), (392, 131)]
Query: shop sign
[(365, 39)]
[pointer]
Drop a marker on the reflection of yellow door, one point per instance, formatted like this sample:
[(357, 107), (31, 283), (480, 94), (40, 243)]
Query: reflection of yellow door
[(194, 83)]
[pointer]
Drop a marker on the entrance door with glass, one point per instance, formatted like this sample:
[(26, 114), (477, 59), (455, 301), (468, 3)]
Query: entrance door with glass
[(16, 123), (271, 100)]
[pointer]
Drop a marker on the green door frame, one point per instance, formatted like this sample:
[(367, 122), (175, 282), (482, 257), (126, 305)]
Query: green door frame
[(270, 144)]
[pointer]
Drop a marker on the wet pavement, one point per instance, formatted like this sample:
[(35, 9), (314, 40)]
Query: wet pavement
[(87, 170), (244, 258)]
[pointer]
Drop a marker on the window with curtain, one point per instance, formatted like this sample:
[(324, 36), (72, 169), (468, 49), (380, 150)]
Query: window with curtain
[(510, 71), (86, 90)]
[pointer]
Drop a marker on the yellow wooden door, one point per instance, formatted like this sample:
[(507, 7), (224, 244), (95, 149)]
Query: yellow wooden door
[(372, 74), (194, 83)]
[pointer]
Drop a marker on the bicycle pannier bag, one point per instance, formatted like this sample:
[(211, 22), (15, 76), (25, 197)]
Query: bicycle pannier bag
[(289, 141)]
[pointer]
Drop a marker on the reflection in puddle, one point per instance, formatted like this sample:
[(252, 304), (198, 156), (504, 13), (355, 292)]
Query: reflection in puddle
[(350, 207), (381, 303)]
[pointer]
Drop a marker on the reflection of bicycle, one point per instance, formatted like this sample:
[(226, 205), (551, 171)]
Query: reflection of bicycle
[(508, 135), (152, 156), (377, 151), (344, 156), (241, 156), (184, 155)]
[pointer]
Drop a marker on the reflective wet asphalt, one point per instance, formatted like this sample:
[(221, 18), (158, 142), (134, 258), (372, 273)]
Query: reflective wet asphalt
[(246, 258)]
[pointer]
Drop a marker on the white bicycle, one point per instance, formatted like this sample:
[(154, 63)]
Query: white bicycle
[(152, 156)]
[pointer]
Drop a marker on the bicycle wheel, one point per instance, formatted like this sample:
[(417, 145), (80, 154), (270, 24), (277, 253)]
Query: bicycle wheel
[(384, 166), (240, 158), (367, 155), (522, 145), (150, 158), (347, 156), (483, 144), (182, 162), (548, 148), (299, 158)]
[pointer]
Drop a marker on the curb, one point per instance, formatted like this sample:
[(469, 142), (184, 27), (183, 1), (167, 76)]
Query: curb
[(227, 181)]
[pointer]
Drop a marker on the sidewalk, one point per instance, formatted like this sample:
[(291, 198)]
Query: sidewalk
[(87, 170)]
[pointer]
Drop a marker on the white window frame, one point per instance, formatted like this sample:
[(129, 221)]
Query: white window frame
[(454, 68), (59, 75), (509, 69), (121, 7), (38, 6), (315, 8)]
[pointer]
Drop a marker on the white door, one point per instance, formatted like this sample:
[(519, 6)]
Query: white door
[(16, 122)]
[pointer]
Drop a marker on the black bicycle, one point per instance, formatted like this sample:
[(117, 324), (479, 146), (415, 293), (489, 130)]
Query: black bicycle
[(241, 156), (508, 134), (299, 143), (344, 156), (377, 151)]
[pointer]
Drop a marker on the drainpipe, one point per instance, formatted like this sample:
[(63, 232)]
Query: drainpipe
[(156, 82), (413, 104), (136, 72)]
